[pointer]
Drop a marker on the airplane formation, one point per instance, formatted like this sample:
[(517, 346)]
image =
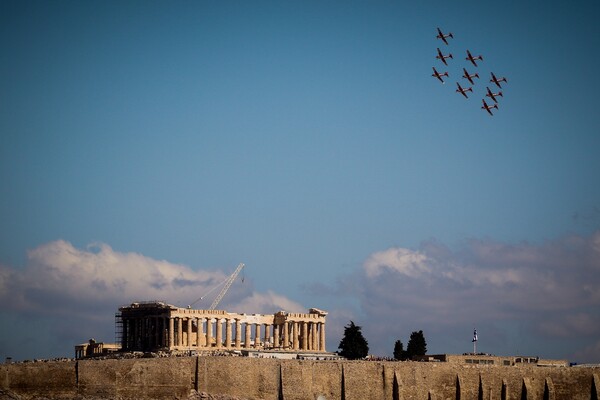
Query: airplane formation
[(468, 76)]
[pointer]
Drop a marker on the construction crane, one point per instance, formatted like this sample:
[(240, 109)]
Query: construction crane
[(228, 282)]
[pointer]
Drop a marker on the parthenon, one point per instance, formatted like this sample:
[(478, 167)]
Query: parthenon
[(156, 326)]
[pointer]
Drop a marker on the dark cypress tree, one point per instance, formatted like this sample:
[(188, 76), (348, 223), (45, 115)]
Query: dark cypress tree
[(417, 346), (353, 345), (399, 353)]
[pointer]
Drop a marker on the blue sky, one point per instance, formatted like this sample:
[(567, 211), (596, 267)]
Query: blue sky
[(309, 141)]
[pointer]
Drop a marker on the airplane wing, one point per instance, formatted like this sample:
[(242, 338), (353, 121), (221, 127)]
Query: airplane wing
[(461, 90), (437, 75), (496, 80), (467, 77), (486, 107), (470, 58), (441, 36)]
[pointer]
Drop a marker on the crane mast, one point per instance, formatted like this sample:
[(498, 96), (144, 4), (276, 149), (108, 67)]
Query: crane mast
[(228, 284)]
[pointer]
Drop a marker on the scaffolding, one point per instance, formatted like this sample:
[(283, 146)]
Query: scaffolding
[(118, 328)]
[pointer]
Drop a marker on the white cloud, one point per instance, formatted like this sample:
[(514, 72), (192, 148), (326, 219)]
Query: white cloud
[(404, 261), (100, 274), (268, 303), (81, 289)]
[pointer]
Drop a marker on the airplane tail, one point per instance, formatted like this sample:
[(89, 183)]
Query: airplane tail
[(450, 55), (500, 94), (450, 34), (476, 75)]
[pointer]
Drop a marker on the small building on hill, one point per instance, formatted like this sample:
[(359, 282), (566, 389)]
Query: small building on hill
[(488, 359), (95, 349)]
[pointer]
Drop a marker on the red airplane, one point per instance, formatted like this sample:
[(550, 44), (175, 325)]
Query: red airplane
[(463, 91), (493, 95), (438, 75), (440, 35), (497, 81), (473, 59), (488, 108), (443, 57), (469, 77)]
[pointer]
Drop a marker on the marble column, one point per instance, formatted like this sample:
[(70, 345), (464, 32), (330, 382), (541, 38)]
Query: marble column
[(228, 333), (146, 335), (152, 332), (142, 333), (276, 336), (322, 337), (171, 332), (304, 335), (219, 329), (238, 333), (189, 332), (267, 335), (200, 332), (294, 331), (134, 333), (179, 331), (158, 331), (286, 335), (257, 336), (165, 331), (248, 335), (209, 332), (129, 334)]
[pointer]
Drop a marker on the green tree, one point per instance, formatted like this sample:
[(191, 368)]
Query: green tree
[(399, 353), (353, 345), (417, 346)]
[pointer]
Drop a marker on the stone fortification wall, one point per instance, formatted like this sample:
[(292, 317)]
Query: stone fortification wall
[(52, 380), (245, 378)]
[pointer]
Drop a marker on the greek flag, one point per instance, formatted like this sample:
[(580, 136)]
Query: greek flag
[(475, 335)]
